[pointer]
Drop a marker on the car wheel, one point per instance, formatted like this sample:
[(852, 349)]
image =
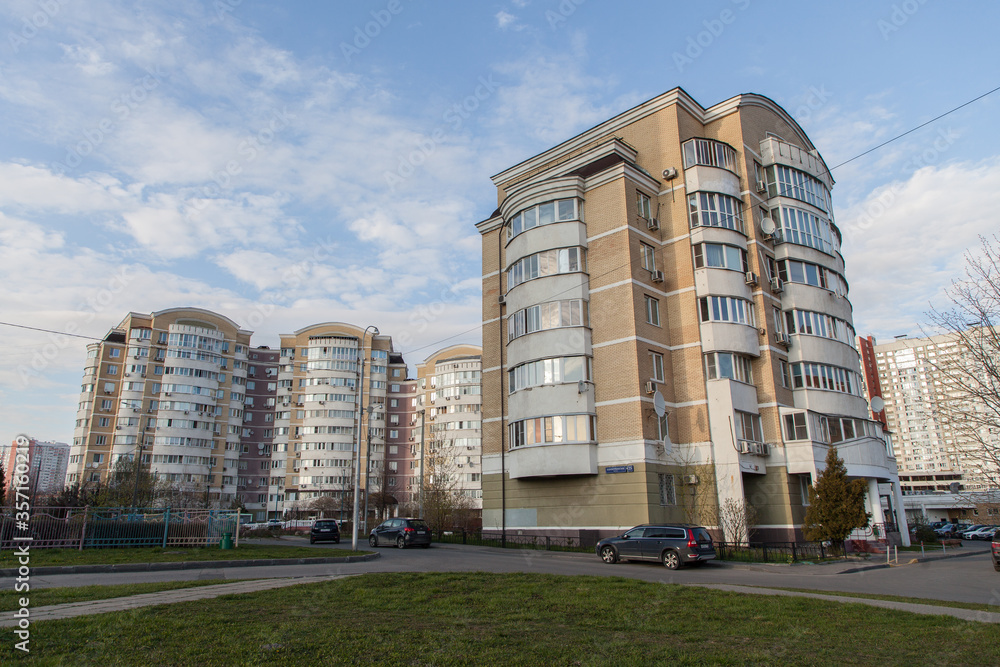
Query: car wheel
[(400, 542), (312, 540), (337, 541), (996, 566), (608, 555), (373, 541), (672, 560)]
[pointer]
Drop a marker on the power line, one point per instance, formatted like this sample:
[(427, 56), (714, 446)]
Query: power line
[(58, 333)]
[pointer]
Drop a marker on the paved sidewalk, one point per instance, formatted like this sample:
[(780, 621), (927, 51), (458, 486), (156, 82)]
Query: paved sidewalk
[(73, 609)]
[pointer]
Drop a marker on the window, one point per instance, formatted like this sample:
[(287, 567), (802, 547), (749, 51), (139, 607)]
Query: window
[(662, 428), (546, 263), (561, 429), (668, 491), (719, 365), (549, 371), (717, 255), (112, 369), (98, 458), (643, 206), (824, 376), (551, 315), (657, 366), (648, 256), (805, 228), (711, 209), (795, 426), (726, 309), (652, 311), (114, 353), (787, 182), (709, 153), (560, 210), (805, 481), (748, 426), (786, 377)]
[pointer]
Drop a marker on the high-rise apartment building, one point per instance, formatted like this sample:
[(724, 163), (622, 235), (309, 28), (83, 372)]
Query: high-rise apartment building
[(47, 462), (449, 384), (171, 387), (933, 450), (667, 330)]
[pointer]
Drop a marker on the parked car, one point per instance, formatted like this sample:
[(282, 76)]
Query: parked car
[(672, 544), (403, 532), (967, 533), (995, 551), (324, 530), (274, 523), (946, 530), (986, 533)]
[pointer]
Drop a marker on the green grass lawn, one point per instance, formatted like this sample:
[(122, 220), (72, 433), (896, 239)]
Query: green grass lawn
[(41, 597), (47, 557), (897, 598), (507, 619)]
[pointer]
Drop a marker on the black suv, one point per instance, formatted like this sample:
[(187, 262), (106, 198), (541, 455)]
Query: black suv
[(403, 532), (672, 544), (324, 530)]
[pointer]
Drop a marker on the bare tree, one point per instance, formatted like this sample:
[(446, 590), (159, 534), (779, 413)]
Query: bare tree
[(969, 400), (738, 520), (445, 507)]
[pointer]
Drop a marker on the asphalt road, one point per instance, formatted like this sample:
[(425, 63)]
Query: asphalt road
[(967, 579)]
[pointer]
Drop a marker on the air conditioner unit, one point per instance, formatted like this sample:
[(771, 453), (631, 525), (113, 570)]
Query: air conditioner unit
[(751, 278), (761, 186), (142, 375), (652, 224), (166, 393), (501, 299), (108, 391), (765, 449), (135, 409), (460, 465), (690, 479), (745, 446), (412, 438), (650, 387), (657, 276), (783, 338), (118, 428), (187, 412), (762, 331), (777, 286)]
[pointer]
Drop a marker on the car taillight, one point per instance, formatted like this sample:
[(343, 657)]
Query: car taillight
[(692, 543), (407, 530)]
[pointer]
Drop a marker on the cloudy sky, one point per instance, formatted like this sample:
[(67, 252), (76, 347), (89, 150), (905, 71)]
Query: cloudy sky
[(287, 163)]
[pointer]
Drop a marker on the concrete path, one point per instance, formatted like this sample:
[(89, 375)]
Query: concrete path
[(88, 607)]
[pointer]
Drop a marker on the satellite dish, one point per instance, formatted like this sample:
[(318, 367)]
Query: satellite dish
[(954, 487), (767, 226), (877, 404), (659, 404)]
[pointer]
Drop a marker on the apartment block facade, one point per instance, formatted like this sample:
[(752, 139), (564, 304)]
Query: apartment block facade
[(667, 329), (933, 451), (47, 463)]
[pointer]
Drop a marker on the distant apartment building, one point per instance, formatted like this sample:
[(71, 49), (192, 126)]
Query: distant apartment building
[(47, 462), (169, 387), (933, 452), (260, 468), (667, 329), (449, 408)]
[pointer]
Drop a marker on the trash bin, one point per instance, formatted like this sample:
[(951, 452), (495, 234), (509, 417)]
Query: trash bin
[(227, 541)]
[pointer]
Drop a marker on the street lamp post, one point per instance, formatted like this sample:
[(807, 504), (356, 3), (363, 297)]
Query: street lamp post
[(357, 440), (423, 422), (368, 463)]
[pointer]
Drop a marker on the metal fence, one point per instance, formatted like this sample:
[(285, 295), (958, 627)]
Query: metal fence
[(101, 527), (772, 552), (511, 541)]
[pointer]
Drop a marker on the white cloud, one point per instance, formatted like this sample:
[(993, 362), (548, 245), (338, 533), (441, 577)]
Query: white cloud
[(505, 19), (905, 242)]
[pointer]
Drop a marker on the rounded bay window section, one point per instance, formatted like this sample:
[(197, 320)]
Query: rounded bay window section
[(550, 399)]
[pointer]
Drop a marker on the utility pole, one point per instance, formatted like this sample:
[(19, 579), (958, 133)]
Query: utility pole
[(423, 422)]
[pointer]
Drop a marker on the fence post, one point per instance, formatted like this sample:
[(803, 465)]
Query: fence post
[(822, 551), (463, 536), (764, 551), (794, 555), (166, 527), (83, 529), (548, 543)]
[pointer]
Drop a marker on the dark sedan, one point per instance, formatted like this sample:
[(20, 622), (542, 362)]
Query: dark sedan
[(403, 532), (324, 530)]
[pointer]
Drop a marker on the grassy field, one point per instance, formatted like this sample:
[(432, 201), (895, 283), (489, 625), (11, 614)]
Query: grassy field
[(515, 619), (47, 557), (993, 608), (41, 597)]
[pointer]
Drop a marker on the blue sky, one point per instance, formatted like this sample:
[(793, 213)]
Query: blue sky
[(298, 162)]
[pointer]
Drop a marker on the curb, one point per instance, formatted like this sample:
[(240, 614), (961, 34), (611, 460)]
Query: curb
[(187, 565), (917, 559)]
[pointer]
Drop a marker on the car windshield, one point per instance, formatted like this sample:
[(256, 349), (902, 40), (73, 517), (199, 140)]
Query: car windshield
[(419, 524), (701, 535)]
